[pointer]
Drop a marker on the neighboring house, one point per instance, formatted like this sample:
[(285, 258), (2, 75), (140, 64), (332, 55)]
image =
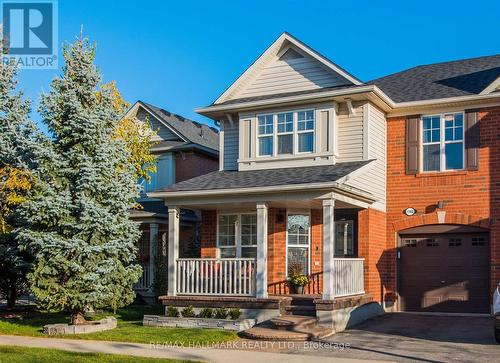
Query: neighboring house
[(184, 149), (319, 173)]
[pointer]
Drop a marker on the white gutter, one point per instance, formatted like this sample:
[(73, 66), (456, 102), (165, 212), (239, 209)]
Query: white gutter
[(255, 190), (439, 101), (311, 96)]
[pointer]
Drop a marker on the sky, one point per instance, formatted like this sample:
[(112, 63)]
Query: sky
[(180, 55)]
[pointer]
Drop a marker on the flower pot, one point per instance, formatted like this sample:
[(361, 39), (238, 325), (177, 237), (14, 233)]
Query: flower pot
[(298, 289)]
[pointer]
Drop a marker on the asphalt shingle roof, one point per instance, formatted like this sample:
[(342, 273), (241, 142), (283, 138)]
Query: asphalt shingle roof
[(441, 80), (268, 177), (285, 94), (193, 131)]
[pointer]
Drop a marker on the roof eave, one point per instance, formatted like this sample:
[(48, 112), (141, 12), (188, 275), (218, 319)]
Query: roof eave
[(215, 111), (359, 194)]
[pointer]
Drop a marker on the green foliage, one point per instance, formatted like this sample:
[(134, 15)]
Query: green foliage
[(15, 354), (18, 138), (130, 328), (172, 312), (221, 313), (299, 280), (188, 312), (206, 313), (77, 224), (234, 313), (160, 280)]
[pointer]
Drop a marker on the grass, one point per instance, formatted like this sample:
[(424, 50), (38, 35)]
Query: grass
[(12, 354), (130, 328)]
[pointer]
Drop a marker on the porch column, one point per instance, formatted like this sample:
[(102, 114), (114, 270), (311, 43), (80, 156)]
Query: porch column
[(328, 248), (153, 252), (261, 278), (173, 248)]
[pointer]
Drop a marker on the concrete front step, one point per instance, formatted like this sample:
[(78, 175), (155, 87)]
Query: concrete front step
[(268, 333), (303, 310), (288, 327), (291, 322)]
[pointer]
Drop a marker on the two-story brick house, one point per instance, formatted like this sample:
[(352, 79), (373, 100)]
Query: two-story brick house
[(184, 149), (386, 189)]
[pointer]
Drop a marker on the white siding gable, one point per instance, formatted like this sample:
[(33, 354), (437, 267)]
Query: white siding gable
[(285, 74)]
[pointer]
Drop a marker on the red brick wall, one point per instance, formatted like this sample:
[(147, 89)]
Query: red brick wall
[(208, 234), (191, 164), (371, 246), (471, 197)]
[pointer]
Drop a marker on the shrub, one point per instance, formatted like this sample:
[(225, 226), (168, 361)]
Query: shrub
[(221, 313), (206, 313), (172, 312), (234, 313), (188, 312)]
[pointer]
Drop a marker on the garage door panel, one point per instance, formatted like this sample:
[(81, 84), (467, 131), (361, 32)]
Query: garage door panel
[(444, 272)]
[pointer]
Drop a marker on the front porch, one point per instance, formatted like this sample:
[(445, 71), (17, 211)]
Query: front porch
[(249, 249)]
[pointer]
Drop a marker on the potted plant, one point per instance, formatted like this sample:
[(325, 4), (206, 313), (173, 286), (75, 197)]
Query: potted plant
[(298, 282), (296, 277)]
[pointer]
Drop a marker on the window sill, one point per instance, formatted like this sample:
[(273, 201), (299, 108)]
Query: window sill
[(441, 173), (304, 155)]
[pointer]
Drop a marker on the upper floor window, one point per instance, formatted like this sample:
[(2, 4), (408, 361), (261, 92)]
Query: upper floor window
[(443, 142), (148, 185), (285, 133)]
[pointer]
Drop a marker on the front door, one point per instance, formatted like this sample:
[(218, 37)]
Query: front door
[(298, 232)]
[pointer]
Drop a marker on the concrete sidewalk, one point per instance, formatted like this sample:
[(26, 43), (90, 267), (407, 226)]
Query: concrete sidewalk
[(160, 351)]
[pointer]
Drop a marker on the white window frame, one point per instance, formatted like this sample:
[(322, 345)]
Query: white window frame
[(303, 212), (266, 135), (284, 133), (296, 141), (442, 142), (237, 231), (337, 224), (295, 132)]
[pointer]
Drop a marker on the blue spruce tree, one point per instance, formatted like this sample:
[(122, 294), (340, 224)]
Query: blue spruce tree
[(77, 225)]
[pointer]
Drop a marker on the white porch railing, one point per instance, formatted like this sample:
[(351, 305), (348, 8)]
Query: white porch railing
[(348, 276), (144, 282), (213, 276)]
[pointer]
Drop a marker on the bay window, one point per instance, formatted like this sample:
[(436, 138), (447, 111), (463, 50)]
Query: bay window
[(237, 235), (443, 142), (285, 133)]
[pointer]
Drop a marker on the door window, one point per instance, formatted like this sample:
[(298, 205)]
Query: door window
[(298, 244)]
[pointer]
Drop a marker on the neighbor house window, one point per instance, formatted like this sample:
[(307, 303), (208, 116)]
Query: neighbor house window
[(148, 186), (237, 235), (443, 142), (285, 133)]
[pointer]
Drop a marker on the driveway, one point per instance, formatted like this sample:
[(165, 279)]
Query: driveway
[(422, 338)]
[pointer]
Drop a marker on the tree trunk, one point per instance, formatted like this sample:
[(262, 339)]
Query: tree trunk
[(77, 318), (12, 296)]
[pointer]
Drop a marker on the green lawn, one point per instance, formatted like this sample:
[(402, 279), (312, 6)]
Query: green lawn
[(130, 328), (12, 354)]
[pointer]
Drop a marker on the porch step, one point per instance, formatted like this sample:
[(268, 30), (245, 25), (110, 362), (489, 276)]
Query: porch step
[(301, 300), (291, 328), (304, 310), (290, 322)]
